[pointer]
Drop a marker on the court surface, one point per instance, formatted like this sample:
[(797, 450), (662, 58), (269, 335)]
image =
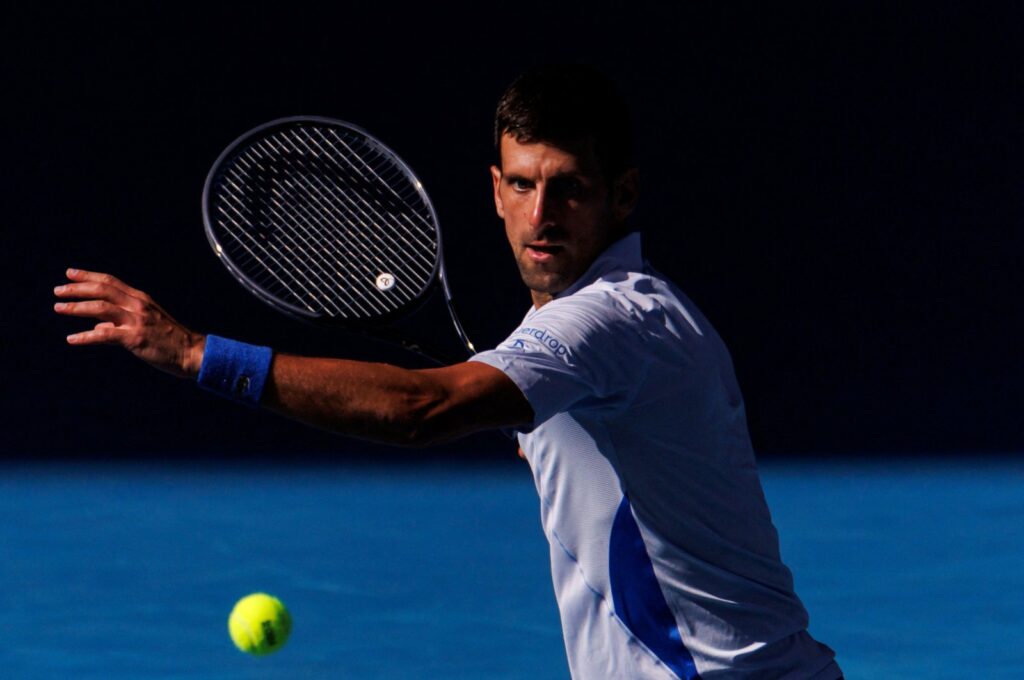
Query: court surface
[(910, 568)]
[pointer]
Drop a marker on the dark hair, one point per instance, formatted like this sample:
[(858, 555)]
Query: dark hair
[(568, 106)]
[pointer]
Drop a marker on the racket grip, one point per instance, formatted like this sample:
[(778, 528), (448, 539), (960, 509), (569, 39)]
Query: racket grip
[(235, 370)]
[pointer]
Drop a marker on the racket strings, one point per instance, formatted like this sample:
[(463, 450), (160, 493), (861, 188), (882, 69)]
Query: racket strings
[(315, 217), (282, 265), (409, 198), (293, 215), (270, 263), (393, 215), (352, 206), (317, 246), (330, 204), (355, 205), (293, 261)]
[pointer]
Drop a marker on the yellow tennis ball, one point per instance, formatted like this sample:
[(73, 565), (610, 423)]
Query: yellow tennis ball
[(259, 624)]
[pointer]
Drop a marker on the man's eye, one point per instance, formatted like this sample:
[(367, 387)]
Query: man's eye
[(567, 188), (521, 185)]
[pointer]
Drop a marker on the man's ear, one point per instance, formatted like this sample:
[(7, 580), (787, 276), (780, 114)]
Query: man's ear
[(625, 192), (496, 178)]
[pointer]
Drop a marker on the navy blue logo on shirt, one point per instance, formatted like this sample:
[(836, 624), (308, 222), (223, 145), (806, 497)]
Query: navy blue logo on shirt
[(552, 343)]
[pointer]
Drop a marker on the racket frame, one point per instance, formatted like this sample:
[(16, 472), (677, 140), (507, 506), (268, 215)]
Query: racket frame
[(378, 323)]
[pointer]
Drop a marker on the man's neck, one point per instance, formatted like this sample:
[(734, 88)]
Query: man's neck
[(540, 299)]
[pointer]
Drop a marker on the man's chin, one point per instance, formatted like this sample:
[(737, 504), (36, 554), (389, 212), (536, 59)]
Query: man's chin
[(546, 283)]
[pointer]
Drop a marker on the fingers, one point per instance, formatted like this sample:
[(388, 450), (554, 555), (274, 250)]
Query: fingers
[(96, 309), (108, 293), (100, 291), (105, 279), (103, 334)]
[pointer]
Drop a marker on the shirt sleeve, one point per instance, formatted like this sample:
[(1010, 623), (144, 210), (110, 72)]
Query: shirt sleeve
[(576, 353)]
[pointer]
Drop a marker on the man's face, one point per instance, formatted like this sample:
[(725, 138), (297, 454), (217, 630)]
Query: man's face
[(560, 212)]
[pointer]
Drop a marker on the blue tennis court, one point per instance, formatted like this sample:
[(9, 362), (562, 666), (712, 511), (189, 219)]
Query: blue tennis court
[(910, 568)]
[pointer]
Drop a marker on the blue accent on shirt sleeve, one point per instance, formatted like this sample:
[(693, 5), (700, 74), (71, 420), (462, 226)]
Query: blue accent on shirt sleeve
[(637, 596), (235, 370)]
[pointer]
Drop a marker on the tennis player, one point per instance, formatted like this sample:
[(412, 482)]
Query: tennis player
[(664, 558)]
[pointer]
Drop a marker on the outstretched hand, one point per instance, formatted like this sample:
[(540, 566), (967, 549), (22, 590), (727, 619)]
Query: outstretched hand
[(131, 319)]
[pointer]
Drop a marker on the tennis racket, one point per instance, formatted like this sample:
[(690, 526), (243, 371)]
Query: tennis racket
[(323, 222)]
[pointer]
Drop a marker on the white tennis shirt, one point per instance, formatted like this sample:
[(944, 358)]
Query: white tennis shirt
[(664, 558)]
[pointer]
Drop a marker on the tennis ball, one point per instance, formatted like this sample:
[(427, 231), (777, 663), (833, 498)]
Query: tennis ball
[(259, 624)]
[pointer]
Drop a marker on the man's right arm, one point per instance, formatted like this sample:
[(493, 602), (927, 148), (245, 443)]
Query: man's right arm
[(392, 404), (368, 400)]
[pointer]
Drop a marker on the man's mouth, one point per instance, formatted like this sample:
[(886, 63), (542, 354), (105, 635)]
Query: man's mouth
[(542, 252)]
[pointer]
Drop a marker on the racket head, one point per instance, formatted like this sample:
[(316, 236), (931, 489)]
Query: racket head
[(323, 222)]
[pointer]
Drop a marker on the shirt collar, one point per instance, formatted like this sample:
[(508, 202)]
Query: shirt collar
[(623, 255)]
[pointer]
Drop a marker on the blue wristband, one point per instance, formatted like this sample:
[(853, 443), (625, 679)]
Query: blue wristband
[(234, 369)]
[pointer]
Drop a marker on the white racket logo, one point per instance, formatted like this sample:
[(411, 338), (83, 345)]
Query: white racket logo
[(385, 281)]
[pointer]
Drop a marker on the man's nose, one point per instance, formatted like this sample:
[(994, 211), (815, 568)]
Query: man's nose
[(543, 209)]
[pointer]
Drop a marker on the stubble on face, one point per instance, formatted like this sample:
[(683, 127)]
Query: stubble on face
[(555, 205)]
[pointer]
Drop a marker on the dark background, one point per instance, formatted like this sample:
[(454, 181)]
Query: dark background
[(836, 185)]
